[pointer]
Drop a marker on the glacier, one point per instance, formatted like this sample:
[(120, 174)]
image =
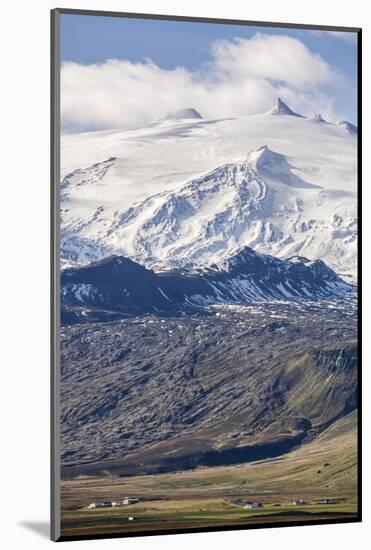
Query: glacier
[(187, 192)]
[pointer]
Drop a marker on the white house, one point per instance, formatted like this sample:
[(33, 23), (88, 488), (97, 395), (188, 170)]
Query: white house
[(129, 500), (121, 502), (253, 505), (99, 505)]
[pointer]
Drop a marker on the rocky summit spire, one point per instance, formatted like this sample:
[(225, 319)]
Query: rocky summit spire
[(281, 108), (318, 118)]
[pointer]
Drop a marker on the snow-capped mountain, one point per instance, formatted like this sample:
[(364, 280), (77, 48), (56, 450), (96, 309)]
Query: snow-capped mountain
[(189, 192), (119, 284)]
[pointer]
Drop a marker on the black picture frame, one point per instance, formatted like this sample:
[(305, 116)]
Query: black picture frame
[(55, 126)]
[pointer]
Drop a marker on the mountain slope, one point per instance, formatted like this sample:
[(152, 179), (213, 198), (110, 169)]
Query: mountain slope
[(166, 393), (134, 192), (260, 202), (121, 285)]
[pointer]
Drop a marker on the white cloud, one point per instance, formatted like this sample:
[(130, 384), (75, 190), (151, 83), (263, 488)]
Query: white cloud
[(244, 76), (279, 58)]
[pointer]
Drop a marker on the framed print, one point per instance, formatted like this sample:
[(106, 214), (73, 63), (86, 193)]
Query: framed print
[(205, 274)]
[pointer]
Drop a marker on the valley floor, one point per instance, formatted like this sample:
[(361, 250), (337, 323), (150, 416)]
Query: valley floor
[(214, 497), (197, 416)]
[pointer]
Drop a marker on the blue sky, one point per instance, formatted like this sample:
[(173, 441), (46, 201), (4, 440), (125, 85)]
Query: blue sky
[(171, 44)]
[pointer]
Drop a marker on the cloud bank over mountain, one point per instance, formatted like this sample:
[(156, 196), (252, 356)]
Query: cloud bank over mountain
[(242, 77)]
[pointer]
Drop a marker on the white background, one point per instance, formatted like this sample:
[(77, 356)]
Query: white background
[(24, 273)]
